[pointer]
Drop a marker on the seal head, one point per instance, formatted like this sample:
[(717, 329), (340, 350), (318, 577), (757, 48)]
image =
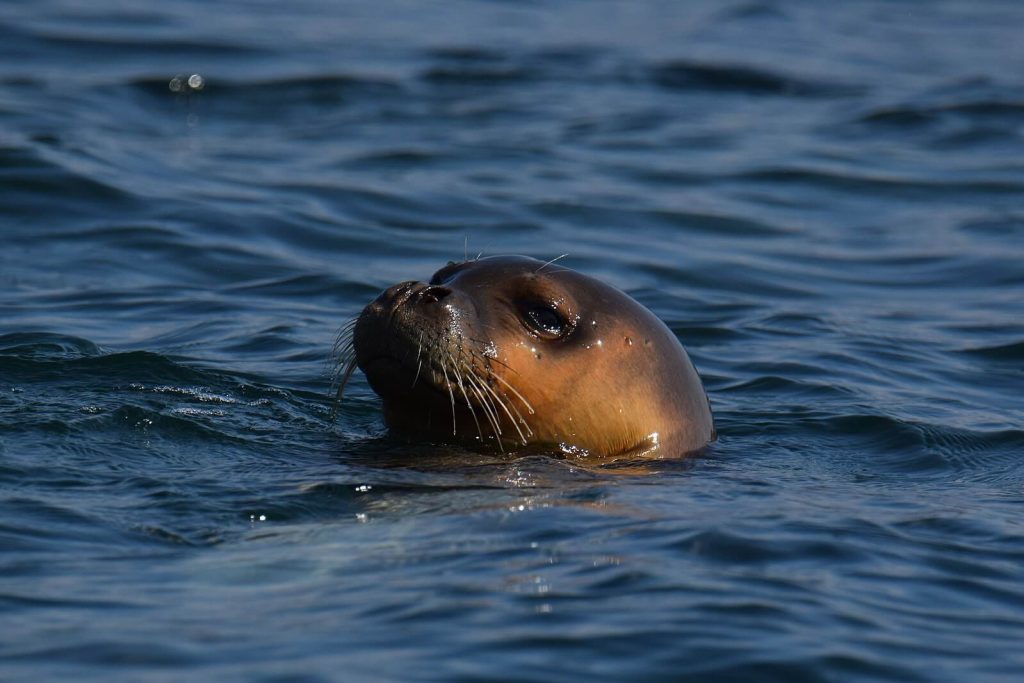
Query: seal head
[(513, 354)]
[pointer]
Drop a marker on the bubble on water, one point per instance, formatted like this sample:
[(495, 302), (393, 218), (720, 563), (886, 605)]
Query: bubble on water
[(181, 83)]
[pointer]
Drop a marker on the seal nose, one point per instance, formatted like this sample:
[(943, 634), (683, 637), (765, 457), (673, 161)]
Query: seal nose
[(434, 294), (395, 291)]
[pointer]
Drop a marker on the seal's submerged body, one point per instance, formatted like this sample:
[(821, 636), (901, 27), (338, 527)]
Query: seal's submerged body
[(514, 354)]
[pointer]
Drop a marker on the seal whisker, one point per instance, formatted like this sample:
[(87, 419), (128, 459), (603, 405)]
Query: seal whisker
[(522, 420), (343, 362), (486, 402), (518, 395), (469, 404), (341, 358), (451, 395), (511, 419), (473, 384), (343, 344), (347, 327), (343, 369), (484, 384), (491, 418), (419, 360), (501, 403), (484, 343), (548, 263), (419, 366), (342, 347), (350, 367)]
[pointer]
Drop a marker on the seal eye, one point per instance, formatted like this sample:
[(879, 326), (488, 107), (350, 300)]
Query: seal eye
[(546, 321)]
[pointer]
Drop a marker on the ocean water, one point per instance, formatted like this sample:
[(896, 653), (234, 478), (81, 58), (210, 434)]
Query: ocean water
[(825, 201)]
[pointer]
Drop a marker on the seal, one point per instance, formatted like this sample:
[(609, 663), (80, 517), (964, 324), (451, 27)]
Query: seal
[(509, 353)]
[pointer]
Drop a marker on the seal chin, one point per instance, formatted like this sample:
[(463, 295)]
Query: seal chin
[(387, 375)]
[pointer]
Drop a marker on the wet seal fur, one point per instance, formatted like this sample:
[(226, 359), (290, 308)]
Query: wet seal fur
[(509, 353)]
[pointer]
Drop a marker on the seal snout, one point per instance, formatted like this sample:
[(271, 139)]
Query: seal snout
[(412, 292), (433, 294), (408, 335), (396, 294)]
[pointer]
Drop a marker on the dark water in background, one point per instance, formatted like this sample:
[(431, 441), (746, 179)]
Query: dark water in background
[(825, 201)]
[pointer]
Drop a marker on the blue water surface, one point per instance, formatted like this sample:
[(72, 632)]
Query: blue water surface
[(825, 201)]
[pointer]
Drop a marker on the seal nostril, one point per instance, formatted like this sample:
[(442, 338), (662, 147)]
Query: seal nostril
[(433, 294), (395, 291)]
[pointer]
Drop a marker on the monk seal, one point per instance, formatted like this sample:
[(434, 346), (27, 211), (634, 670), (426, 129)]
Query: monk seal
[(509, 353)]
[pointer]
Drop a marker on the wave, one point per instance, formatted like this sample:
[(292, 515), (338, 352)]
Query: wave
[(619, 218), (30, 180), (1012, 352), (880, 183), (916, 115), (696, 76), (888, 444), (44, 357)]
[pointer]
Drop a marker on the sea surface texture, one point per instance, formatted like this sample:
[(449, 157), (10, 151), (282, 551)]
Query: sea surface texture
[(824, 201)]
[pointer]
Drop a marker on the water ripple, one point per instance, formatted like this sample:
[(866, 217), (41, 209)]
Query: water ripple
[(678, 75), (826, 214)]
